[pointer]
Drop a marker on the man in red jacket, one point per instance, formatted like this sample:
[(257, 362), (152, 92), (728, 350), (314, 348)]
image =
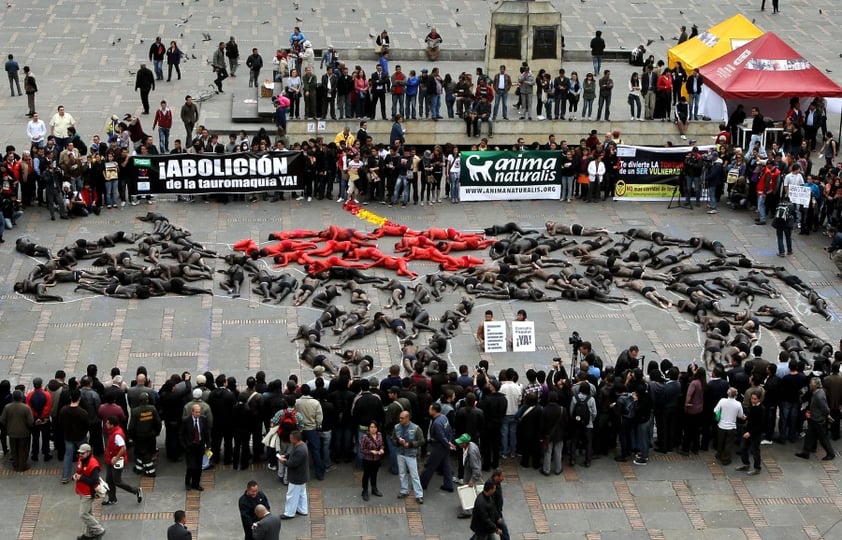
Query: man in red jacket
[(766, 185), (87, 478), (116, 456), (163, 121)]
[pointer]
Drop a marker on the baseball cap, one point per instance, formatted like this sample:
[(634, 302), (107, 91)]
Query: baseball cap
[(84, 448), (463, 438), (197, 393)]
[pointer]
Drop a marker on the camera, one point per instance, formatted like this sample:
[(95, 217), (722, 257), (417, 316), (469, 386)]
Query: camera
[(575, 340)]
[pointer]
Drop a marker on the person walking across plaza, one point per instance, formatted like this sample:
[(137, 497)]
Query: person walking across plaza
[(189, 116), (750, 441), (232, 52), (145, 82), (297, 462), (163, 121), (87, 479), (783, 223), (255, 64), (441, 444), (157, 51), (485, 516), (408, 438), (817, 415), (218, 65), (116, 457), (195, 439)]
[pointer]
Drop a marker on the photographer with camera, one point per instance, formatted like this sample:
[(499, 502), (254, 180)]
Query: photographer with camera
[(629, 359), (589, 356)]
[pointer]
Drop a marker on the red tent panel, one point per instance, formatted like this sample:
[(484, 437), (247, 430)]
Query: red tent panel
[(767, 68)]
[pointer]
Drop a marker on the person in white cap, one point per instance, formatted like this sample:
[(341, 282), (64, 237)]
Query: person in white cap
[(87, 478), (204, 407)]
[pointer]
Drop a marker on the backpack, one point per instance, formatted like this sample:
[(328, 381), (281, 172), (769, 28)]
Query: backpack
[(581, 413), (782, 215), (626, 406), (287, 425)]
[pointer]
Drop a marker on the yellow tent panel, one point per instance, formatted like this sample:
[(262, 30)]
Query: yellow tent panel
[(716, 42)]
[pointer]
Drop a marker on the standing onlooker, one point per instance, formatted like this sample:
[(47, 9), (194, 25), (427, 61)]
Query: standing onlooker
[(728, 410), (254, 63), (36, 130), (634, 96), (588, 95), (750, 442), (178, 530), (248, 503), (145, 82), (59, 124), (817, 415), (829, 150), (18, 420), (189, 116), (156, 55), (116, 457), (232, 52), (30, 87), (597, 48), (371, 445), (40, 401), (73, 420), (311, 421), (502, 85), (12, 69), (582, 414), (87, 478), (783, 223), (526, 85), (298, 472), (195, 438), (694, 90), (408, 438), (606, 87), (648, 90), (163, 121), (174, 55)]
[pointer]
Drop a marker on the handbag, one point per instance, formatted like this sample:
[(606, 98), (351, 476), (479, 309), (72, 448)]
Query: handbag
[(431, 179), (101, 489)]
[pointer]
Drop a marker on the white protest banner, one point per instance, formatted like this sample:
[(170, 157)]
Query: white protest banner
[(495, 336), (523, 336), (799, 195)]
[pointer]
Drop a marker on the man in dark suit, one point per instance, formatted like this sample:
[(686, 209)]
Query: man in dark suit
[(269, 526), (195, 439), (178, 530)]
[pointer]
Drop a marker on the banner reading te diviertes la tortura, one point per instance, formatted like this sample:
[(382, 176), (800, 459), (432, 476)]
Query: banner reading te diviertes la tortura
[(247, 172), (649, 173), (510, 175)]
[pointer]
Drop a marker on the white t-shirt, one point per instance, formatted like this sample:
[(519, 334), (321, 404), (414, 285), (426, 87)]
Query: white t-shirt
[(731, 410), (595, 170)]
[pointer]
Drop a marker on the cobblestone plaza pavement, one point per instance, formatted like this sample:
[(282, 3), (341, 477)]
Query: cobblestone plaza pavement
[(69, 46)]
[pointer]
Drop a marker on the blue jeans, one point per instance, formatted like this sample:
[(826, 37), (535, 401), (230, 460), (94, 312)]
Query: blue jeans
[(112, 192), (411, 110), (587, 107), (788, 426), (694, 106), (712, 197), (296, 500), (159, 68), (761, 208), (343, 441), (393, 455), (501, 98), (508, 435), (344, 104), (604, 101), (163, 140), (314, 446), (694, 184), (567, 187), (397, 104), (325, 449), (423, 103), (449, 101), (435, 106), (597, 64), (402, 188), (439, 458), (69, 465), (343, 185), (408, 470), (453, 178)]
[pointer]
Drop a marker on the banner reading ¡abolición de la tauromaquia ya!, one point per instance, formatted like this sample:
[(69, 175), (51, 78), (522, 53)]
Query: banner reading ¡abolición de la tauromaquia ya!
[(203, 174)]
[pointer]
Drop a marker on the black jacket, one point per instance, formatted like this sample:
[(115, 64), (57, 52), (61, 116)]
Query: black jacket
[(484, 517), (145, 79)]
